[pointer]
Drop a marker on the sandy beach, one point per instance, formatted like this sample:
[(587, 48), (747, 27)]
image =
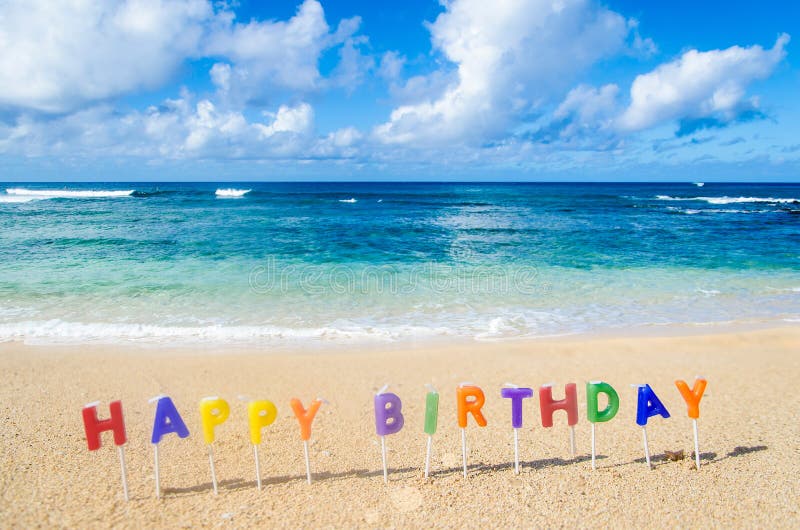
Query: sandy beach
[(748, 431)]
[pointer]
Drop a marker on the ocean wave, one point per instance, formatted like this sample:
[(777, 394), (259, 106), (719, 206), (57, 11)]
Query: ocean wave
[(231, 192), (351, 200), (731, 200), (65, 194), (692, 211), (60, 331)]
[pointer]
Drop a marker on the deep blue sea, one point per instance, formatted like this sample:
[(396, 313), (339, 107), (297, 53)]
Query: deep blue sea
[(191, 263)]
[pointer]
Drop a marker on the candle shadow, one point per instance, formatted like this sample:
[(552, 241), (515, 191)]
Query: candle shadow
[(477, 469), (706, 458)]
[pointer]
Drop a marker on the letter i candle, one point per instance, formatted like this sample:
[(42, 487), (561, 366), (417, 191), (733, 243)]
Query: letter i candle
[(469, 399), (431, 422), (213, 411), (116, 423), (692, 398), (593, 414), (388, 420), (516, 395), (167, 420)]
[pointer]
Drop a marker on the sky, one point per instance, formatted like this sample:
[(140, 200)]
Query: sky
[(507, 90)]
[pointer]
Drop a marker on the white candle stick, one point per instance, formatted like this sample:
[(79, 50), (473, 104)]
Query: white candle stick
[(572, 439), (308, 462), (213, 469), (428, 457), (124, 471), (516, 451), (258, 467), (696, 446), (464, 450), (646, 447), (594, 466), (383, 457), (157, 471)]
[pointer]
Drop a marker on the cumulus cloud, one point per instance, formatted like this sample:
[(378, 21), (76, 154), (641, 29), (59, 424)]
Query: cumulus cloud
[(508, 57), (700, 87), (58, 56), (55, 55)]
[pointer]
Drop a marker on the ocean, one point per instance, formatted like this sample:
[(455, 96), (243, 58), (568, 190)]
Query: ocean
[(274, 263)]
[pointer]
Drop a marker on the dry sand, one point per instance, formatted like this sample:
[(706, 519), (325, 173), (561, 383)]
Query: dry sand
[(748, 429)]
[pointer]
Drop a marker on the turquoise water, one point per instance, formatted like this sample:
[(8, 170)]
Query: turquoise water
[(184, 263)]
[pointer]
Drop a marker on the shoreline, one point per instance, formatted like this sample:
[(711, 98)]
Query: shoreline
[(747, 477)]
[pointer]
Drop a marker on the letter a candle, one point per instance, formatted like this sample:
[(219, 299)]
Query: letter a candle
[(388, 420), (305, 418), (167, 420), (692, 398), (469, 399), (260, 414), (593, 414), (516, 395), (431, 422), (648, 405), (213, 411), (116, 423)]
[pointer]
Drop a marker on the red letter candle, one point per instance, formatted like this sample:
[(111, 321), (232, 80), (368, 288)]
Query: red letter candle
[(93, 426), (548, 405)]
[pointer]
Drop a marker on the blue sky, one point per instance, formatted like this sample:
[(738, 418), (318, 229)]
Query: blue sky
[(419, 90)]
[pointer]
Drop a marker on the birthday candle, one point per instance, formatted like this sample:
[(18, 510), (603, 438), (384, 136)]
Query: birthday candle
[(213, 412), (593, 414), (516, 395), (93, 427), (260, 414), (648, 405), (548, 405), (305, 418), (431, 422), (388, 420), (167, 420), (692, 398), (469, 400)]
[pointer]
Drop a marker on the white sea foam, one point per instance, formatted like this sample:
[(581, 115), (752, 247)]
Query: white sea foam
[(350, 200), (65, 194), (60, 331), (231, 192), (699, 184), (16, 199), (730, 200)]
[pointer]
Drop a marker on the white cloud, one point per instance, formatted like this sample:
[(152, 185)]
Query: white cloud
[(509, 57), (56, 55), (699, 85), (298, 120)]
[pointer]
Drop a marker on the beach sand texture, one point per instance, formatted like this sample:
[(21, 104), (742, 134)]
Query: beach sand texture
[(749, 431)]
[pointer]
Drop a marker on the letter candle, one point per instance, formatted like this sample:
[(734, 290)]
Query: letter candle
[(692, 398), (469, 399), (593, 389), (213, 411), (305, 418), (647, 405), (93, 427), (548, 405), (260, 414), (167, 420), (388, 420), (516, 395), (431, 421)]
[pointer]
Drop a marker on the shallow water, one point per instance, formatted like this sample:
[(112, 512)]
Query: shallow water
[(354, 261)]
